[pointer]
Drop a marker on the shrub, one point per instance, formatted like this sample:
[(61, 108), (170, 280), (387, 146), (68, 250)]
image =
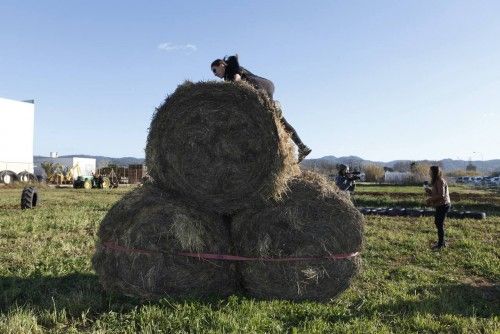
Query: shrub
[(373, 173)]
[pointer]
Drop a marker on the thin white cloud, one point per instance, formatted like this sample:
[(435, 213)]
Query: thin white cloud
[(490, 115), (177, 47)]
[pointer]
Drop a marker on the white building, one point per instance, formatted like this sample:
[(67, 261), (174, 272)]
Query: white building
[(78, 166), (17, 121)]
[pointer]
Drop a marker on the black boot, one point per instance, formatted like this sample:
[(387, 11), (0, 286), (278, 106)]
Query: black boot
[(304, 151), (438, 246)]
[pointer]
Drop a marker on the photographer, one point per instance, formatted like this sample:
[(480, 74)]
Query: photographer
[(345, 179), (439, 198)]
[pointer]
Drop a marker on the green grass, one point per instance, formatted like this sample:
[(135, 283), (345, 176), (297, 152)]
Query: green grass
[(47, 283)]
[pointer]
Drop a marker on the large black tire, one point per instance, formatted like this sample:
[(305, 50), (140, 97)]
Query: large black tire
[(474, 215), (428, 212), (26, 177), (114, 181), (383, 212), (454, 214), (402, 212), (29, 198), (363, 210), (414, 213), (7, 177), (392, 212)]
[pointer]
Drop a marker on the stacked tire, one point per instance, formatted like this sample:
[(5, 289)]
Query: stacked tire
[(416, 212), (7, 177)]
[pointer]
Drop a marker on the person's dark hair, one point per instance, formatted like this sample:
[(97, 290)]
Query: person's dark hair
[(217, 62), (232, 66), (342, 169), (436, 174)]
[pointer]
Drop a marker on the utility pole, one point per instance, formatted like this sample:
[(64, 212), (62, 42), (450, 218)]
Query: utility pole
[(482, 159)]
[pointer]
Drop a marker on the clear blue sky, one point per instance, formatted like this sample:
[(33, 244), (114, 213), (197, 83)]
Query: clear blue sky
[(382, 80)]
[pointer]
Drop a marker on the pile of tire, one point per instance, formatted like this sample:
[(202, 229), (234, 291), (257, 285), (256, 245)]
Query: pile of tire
[(418, 212), (8, 177)]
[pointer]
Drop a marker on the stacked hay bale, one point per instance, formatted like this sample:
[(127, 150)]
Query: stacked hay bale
[(139, 242), (315, 229), (227, 208), (221, 145)]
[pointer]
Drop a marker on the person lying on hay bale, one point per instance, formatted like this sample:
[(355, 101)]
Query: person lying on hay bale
[(229, 69)]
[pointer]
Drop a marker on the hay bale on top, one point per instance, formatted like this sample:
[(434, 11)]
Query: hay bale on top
[(139, 242), (221, 144), (314, 220)]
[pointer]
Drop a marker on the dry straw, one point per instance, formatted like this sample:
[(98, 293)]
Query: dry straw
[(220, 144), (139, 242), (315, 219)]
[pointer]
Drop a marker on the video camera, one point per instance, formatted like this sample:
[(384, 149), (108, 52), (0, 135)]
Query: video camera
[(353, 176)]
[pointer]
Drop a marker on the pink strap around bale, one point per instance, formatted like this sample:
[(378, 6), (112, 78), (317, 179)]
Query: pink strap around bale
[(266, 259), (207, 256)]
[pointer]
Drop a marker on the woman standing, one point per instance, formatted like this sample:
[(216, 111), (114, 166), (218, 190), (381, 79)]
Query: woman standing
[(229, 69), (439, 197)]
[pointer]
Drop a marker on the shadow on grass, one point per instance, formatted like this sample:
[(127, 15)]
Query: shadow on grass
[(76, 293), (470, 300)]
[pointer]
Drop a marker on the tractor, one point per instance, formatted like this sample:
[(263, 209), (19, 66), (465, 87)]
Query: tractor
[(89, 182)]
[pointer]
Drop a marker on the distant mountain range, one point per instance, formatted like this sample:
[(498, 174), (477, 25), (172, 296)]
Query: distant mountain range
[(486, 166), (483, 166)]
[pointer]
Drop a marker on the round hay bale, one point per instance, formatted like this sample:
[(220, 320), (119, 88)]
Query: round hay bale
[(314, 220), (220, 144), (140, 239)]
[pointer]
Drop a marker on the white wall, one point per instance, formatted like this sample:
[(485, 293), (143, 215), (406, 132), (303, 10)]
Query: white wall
[(87, 165), (17, 121)]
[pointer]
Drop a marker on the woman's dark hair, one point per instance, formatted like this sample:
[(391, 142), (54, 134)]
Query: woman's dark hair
[(217, 62), (232, 66), (436, 174)]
